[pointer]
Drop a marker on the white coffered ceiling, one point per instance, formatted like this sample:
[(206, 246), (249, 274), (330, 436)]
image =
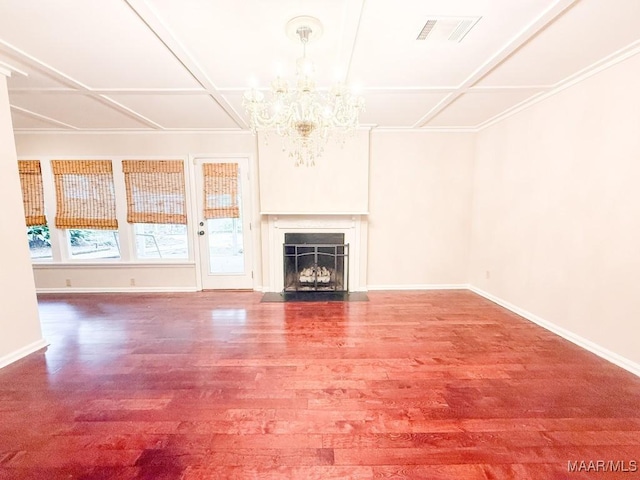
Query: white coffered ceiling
[(168, 65)]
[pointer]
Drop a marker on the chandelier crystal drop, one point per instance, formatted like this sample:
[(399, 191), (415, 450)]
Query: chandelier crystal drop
[(304, 117)]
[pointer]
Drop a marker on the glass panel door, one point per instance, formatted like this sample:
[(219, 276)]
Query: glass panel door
[(223, 235), (226, 246)]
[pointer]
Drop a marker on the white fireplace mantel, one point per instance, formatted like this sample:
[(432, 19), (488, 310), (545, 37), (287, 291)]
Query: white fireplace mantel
[(353, 225), (312, 214)]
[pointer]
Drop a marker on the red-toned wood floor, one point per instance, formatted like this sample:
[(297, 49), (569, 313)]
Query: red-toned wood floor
[(213, 385)]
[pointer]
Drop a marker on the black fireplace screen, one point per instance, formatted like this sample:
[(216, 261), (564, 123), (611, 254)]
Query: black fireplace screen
[(316, 262)]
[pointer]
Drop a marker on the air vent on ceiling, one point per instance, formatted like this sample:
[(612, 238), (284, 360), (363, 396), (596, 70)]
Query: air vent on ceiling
[(451, 29)]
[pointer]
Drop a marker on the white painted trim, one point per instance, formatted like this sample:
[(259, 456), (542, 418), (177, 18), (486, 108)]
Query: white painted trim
[(167, 289), (161, 30), (351, 226), (421, 286), (546, 17), (452, 91), (310, 214), (109, 265), (359, 290), (130, 131), (506, 88), (246, 164), (4, 72), (7, 69), (425, 129), (23, 352), (586, 73), (211, 130), (592, 347)]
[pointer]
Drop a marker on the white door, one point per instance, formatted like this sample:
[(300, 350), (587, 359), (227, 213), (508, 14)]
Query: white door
[(224, 241)]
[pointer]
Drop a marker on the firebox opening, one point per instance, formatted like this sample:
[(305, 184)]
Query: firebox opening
[(315, 262)]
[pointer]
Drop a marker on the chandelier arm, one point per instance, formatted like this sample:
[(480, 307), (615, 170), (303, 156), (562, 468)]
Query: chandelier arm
[(305, 118)]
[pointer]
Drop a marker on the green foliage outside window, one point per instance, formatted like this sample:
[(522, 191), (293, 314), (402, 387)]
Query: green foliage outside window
[(40, 237)]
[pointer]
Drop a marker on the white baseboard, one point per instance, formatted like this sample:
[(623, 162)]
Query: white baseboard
[(117, 290), (421, 286), (23, 352), (602, 352)]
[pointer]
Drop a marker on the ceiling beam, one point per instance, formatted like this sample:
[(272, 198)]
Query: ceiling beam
[(530, 31), (74, 85), (43, 117), (150, 17)]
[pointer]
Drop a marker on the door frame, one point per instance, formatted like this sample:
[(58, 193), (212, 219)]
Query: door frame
[(196, 214)]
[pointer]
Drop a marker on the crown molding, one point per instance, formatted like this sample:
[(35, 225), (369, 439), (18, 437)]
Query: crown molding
[(528, 32), (59, 131), (7, 70), (425, 130), (614, 59)]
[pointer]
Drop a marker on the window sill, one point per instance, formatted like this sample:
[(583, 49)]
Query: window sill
[(113, 264)]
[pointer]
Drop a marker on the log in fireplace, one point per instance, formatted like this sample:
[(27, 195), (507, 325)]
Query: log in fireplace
[(315, 262)]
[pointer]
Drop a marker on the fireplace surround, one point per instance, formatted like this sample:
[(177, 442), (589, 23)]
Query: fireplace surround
[(276, 225)]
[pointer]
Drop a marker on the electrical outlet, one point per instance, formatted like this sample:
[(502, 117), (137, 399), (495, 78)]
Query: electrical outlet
[(67, 282), (132, 282), (487, 274)]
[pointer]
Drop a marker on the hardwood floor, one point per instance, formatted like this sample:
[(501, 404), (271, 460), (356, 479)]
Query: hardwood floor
[(212, 385)]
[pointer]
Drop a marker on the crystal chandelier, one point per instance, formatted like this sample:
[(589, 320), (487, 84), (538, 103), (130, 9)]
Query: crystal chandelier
[(304, 117)]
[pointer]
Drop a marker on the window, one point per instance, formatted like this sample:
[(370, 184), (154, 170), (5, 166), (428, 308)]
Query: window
[(86, 221), (86, 207), (39, 239), (161, 240), (222, 211), (156, 207), (221, 190), (86, 244), (33, 200)]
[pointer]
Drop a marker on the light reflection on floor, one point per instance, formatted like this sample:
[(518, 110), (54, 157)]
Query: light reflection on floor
[(73, 334), (229, 315)]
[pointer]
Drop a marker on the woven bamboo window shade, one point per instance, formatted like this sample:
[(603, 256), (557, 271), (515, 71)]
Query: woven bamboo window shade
[(221, 190), (32, 193), (155, 191), (85, 196)]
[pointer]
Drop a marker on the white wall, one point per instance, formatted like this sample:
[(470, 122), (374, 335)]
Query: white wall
[(139, 143), (420, 208), (556, 213), (338, 183), (95, 277), (418, 191), (155, 145), (20, 332)]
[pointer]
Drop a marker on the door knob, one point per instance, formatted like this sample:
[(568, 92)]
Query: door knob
[(201, 232)]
